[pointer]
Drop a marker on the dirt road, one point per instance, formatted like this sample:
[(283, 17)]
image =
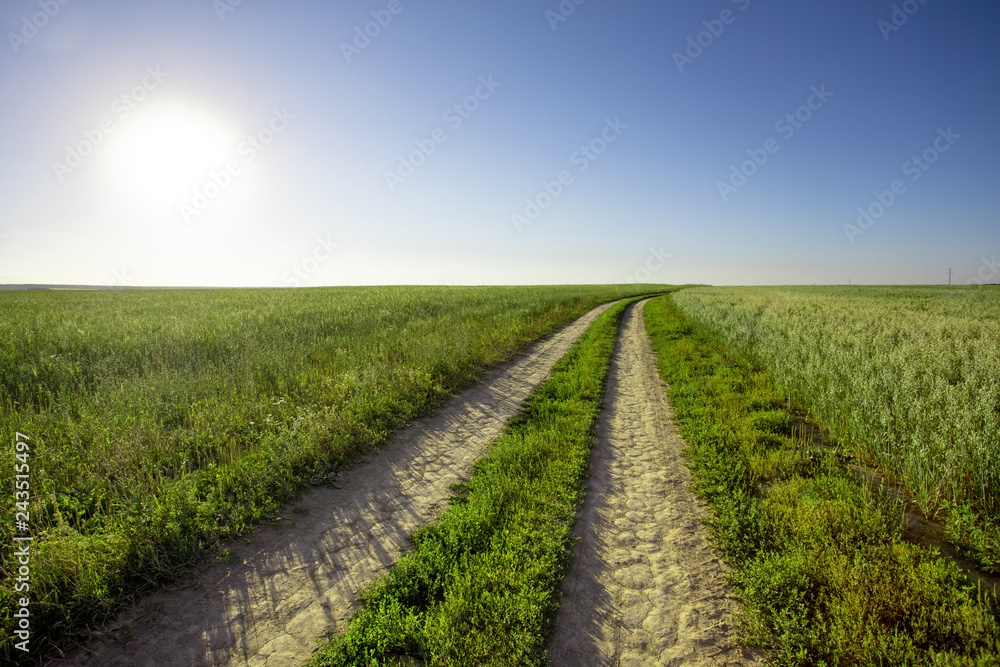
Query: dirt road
[(291, 583), (645, 588)]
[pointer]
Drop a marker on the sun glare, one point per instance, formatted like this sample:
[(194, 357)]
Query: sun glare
[(163, 153)]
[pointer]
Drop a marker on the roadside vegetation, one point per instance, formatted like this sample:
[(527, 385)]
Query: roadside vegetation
[(905, 379), (163, 422), (822, 569), (482, 585)]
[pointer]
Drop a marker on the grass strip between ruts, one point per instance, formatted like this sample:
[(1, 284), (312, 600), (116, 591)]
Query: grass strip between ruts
[(822, 569), (482, 586)]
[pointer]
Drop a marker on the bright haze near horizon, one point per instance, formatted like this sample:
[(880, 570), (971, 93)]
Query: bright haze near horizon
[(253, 143)]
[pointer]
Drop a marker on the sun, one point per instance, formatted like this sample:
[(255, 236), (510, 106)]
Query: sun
[(162, 153)]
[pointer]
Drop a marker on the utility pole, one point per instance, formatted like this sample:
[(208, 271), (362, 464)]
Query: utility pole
[(949, 276)]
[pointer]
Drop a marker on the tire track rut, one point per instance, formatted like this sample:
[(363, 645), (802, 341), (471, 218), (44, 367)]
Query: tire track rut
[(645, 587), (291, 584)]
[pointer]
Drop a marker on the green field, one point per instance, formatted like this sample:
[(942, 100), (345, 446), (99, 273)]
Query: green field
[(162, 422), (907, 379), (821, 565)]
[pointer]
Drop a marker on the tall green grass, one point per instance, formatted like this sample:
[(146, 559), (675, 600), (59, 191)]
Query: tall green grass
[(482, 586), (820, 564), (162, 422), (906, 378)]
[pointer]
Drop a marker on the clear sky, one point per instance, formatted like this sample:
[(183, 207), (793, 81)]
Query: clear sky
[(255, 143)]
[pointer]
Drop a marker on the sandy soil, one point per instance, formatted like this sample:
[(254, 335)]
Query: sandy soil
[(293, 582), (645, 588)]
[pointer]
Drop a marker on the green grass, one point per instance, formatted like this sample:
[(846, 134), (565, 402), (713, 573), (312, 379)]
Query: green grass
[(823, 572), (482, 586), (164, 422), (907, 379)]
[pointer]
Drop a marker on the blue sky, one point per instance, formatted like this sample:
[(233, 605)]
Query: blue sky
[(195, 142)]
